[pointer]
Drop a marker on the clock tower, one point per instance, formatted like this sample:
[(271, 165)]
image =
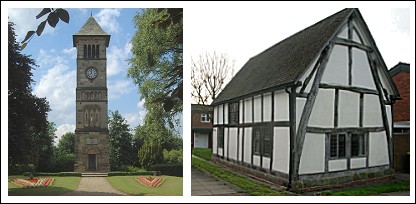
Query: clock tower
[(91, 133)]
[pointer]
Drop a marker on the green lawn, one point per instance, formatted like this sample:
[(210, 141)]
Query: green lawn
[(171, 186), (246, 184), (203, 153), (59, 186), (372, 190)]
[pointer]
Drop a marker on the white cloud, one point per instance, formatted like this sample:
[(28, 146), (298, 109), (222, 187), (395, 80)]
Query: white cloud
[(117, 59), (135, 119), (107, 19), (71, 51), (58, 86), (118, 88), (25, 20), (62, 129), (49, 58)]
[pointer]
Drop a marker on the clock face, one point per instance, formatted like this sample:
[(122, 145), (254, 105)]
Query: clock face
[(91, 73)]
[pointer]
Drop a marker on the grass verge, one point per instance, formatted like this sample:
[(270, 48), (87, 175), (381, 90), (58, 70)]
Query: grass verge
[(246, 184), (372, 190), (59, 186), (171, 186), (203, 153)]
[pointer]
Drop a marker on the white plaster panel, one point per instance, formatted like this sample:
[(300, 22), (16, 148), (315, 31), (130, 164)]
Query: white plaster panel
[(220, 152), (221, 114), (215, 115), (281, 106), (256, 160), (247, 145), (232, 154), (240, 144), (322, 114), (257, 109), (312, 159), (240, 112), (337, 165), (361, 71), (306, 74), (201, 140), (281, 149), (336, 70), (343, 33), (348, 109), (226, 113), (225, 142), (300, 104), (266, 163), (214, 140), (389, 119), (267, 107), (372, 116), (355, 37), (247, 111), (378, 152), (360, 32), (356, 163)]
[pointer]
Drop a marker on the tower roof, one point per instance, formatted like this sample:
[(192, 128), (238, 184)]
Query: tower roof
[(91, 28)]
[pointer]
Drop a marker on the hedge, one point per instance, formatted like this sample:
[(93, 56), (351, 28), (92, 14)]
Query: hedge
[(76, 174), (168, 169), (123, 173)]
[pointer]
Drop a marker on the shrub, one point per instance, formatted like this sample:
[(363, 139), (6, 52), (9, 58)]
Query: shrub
[(122, 173), (19, 169), (173, 156), (168, 169), (76, 174)]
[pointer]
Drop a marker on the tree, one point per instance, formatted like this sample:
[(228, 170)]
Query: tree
[(27, 121), (67, 143), (156, 65), (151, 153), (208, 76), (52, 19), (43, 147), (120, 142)]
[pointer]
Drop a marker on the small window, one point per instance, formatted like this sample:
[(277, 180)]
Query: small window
[(93, 51), (85, 51), (267, 143), (205, 118), (337, 145), (89, 51), (358, 145), (97, 51), (256, 141), (220, 138), (233, 113)]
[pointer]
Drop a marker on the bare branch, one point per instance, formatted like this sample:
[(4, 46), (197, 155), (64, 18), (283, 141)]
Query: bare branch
[(209, 74)]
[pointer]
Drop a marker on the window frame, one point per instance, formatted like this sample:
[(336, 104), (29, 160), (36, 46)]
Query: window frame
[(220, 137), (233, 113), (260, 141), (206, 116), (362, 145), (338, 155)]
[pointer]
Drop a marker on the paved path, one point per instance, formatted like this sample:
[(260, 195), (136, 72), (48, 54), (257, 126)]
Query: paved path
[(94, 186), (205, 185)]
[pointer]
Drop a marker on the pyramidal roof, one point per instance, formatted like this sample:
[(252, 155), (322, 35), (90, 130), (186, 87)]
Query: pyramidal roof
[(91, 27)]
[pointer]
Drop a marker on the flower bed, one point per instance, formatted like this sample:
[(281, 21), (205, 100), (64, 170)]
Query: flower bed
[(150, 181), (32, 183)]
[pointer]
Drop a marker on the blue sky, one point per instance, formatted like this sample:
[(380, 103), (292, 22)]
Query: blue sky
[(55, 78)]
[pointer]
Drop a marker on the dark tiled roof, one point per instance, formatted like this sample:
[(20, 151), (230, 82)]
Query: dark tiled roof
[(401, 67), (284, 62), (199, 108), (91, 28)]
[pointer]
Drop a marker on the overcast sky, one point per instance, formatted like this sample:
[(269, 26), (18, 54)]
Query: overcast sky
[(244, 30)]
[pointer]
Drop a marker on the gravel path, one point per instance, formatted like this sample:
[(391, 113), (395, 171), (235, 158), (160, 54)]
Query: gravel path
[(94, 186)]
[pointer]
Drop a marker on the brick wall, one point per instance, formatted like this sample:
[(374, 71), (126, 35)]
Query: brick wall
[(401, 108), (196, 122)]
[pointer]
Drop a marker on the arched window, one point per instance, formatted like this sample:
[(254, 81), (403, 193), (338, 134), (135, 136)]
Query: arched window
[(85, 51), (97, 51), (89, 51), (93, 51)]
